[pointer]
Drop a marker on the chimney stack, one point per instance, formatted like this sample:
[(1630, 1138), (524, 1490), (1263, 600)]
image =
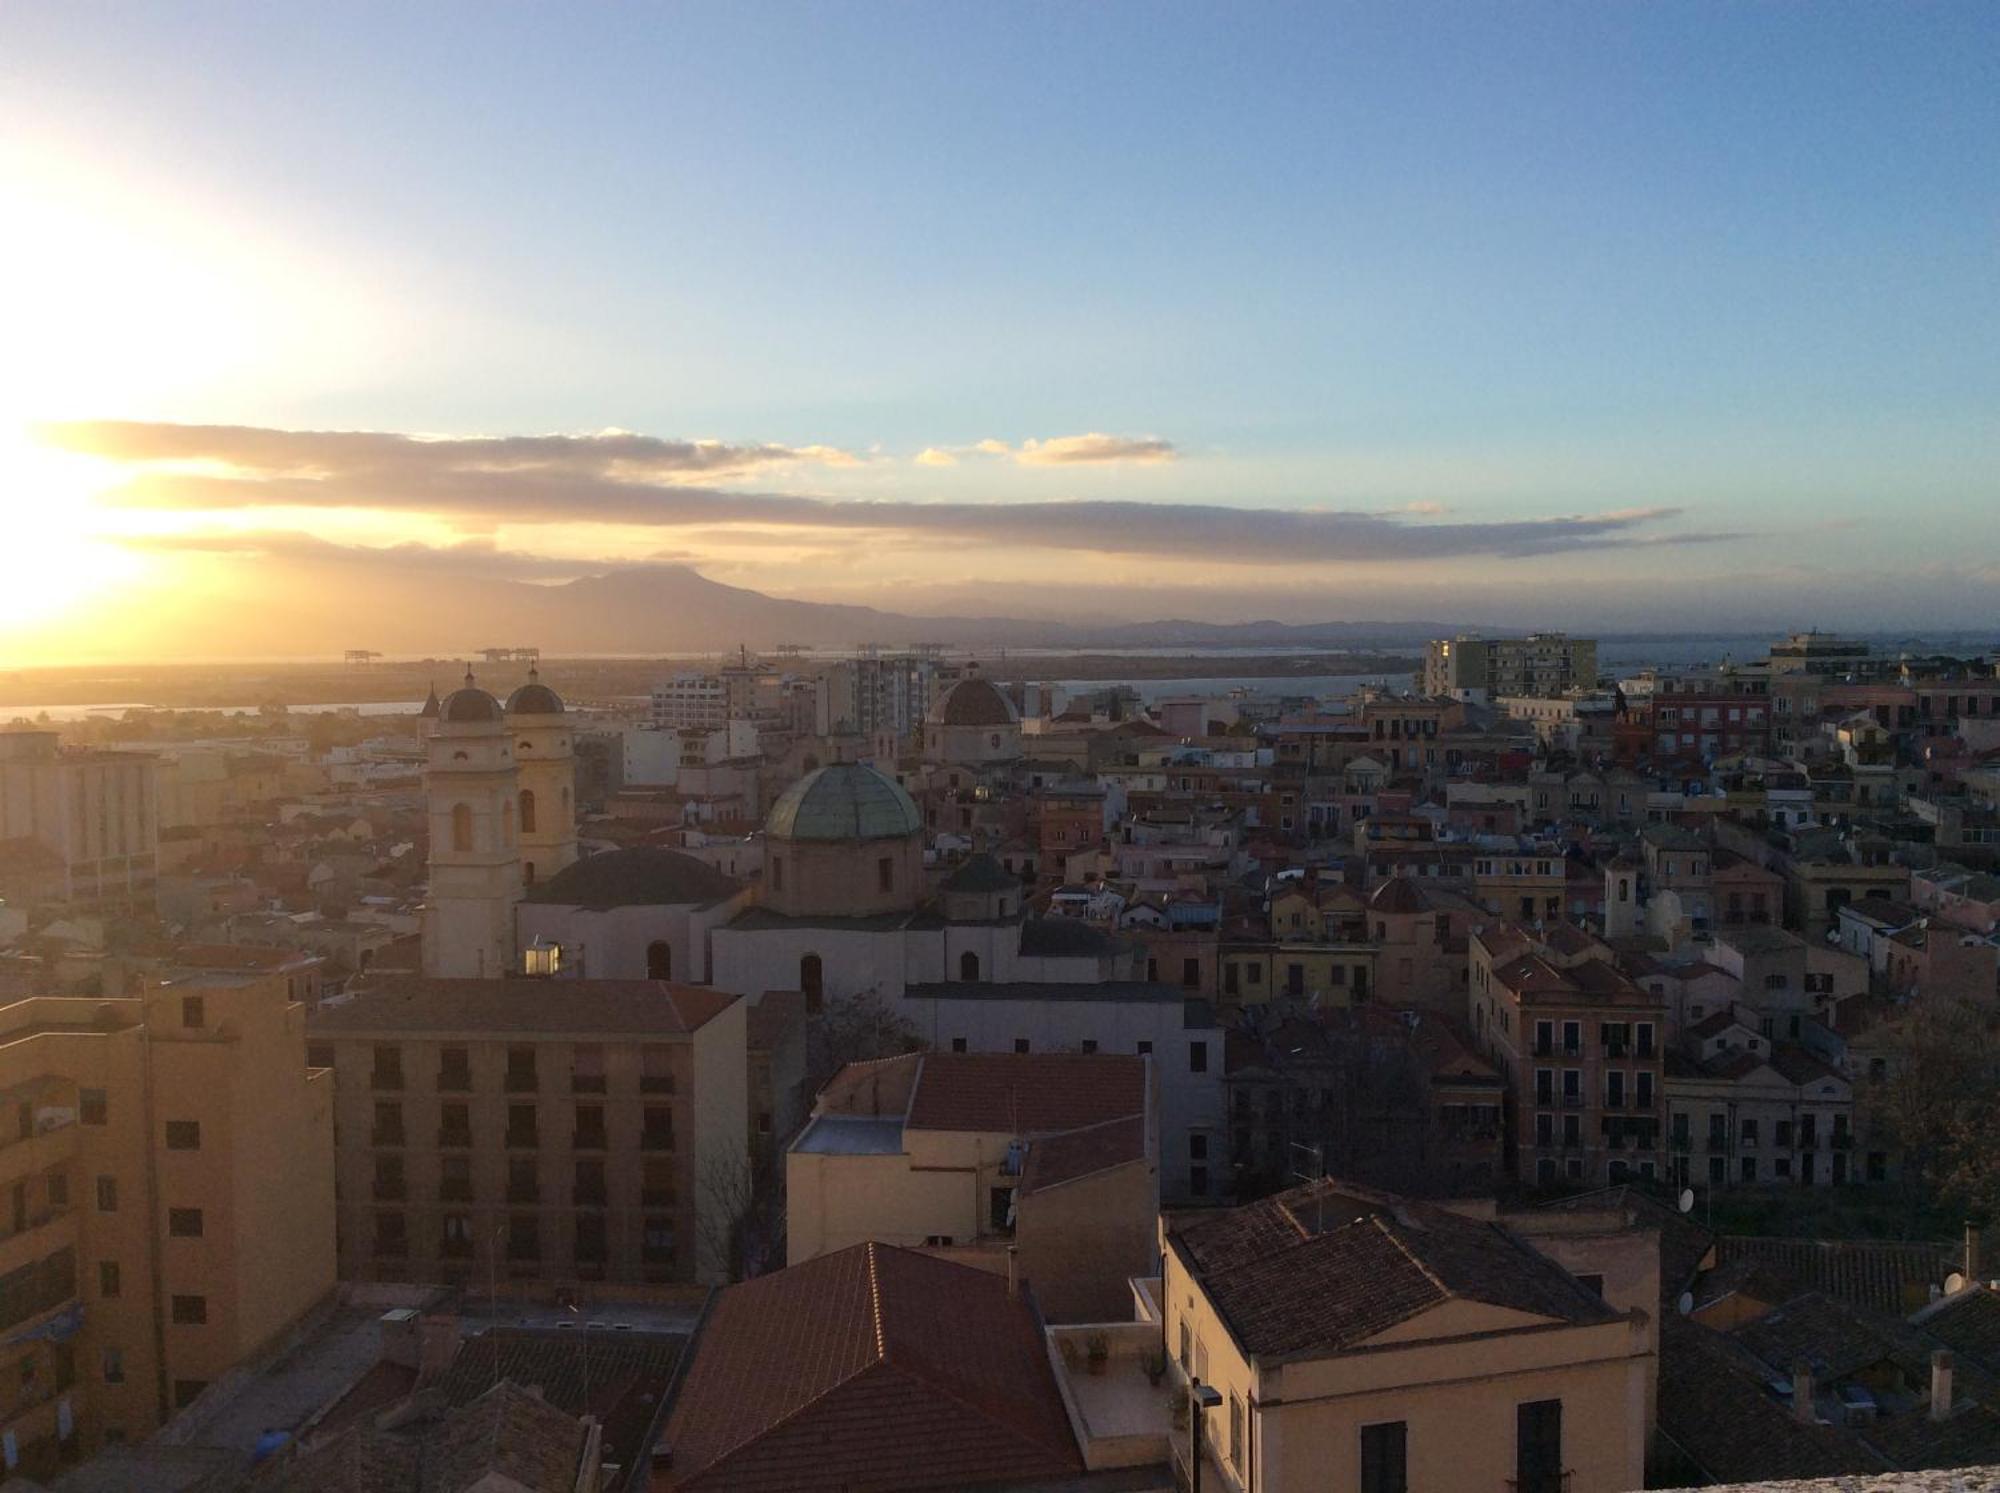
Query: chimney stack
[(1941, 1363), (1972, 1253), (1802, 1392), (1013, 1272)]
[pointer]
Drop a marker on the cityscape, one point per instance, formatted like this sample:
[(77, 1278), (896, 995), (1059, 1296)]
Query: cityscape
[(1039, 750)]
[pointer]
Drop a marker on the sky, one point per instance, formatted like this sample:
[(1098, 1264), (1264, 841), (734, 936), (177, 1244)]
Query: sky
[(1603, 316)]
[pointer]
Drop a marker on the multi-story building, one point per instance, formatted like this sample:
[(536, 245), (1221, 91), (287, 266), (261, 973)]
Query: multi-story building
[(85, 822), (1338, 1337), (690, 700), (1579, 1047), (560, 1132), (170, 1171), (886, 693), (1543, 663)]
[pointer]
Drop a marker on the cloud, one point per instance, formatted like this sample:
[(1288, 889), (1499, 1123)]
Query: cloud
[(1092, 449), (478, 557), (642, 481)]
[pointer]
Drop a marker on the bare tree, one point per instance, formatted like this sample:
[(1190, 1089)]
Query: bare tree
[(854, 1029), (739, 1217), (1937, 1105)]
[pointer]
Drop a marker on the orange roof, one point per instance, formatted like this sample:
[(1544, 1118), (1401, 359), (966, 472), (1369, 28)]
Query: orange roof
[(1026, 1093), (1055, 1159), (874, 1367)]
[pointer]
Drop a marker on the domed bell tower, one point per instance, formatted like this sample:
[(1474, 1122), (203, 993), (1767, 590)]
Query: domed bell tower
[(545, 764), (475, 864)]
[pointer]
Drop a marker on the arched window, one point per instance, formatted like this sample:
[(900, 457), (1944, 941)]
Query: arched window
[(461, 826), (968, 965), (659, 960), (527, 811), (810, 981)]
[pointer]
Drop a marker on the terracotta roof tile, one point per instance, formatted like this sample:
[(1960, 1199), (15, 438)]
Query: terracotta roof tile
[(1026, 1093), (1056, 1159)]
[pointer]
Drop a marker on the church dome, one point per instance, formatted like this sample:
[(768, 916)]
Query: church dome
[(847, 801), (973, 701), (468, 705), (534, 698)]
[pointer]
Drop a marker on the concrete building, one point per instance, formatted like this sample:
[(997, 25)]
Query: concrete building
[(171, 1176), (1405, 1345), (1486, 669), (1045, 1164), (500, 1126), (78, 827)]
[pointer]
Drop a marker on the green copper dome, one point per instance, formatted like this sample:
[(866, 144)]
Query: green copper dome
[(846, 801)]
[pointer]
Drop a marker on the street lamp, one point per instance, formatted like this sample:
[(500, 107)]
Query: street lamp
[(1202, 1398)]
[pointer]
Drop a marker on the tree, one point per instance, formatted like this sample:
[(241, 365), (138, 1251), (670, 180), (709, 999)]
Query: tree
[(739, 1217), (854, 1029), (1937, 1105)]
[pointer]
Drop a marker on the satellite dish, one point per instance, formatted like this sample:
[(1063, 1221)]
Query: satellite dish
[(1686, 1303), (1954, 1283), (1686, 1203)]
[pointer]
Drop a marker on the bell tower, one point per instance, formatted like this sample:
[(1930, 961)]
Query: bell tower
[(475, 864), (546, 764)]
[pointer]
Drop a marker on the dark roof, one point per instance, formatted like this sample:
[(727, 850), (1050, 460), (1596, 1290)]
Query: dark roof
[(1399, 894), (506, 1431), (470, 705), (1326, 1266), (1065, 938), (543, 1008), (982, 873), (1715, 1408), (1887, 1275), (1126, 991), (641, 876), (973, 701), (1968, 1322), (1025, 1093), (1684, 1244), (1056, 1159), (534, 698), (827, 1374)]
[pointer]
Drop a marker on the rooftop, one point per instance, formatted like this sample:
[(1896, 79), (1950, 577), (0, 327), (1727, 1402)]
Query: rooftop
[(844, 801), (642, 876), (489, 1009)]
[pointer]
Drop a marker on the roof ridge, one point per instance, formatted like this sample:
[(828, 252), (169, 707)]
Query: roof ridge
[(1411, 1255)]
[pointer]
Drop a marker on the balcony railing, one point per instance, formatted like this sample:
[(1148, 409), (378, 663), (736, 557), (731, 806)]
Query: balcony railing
[(589, 1140), (586, 1083), (656, 1140), (451, 1137), (520, 1083), (656, 1083), (522, 1137)]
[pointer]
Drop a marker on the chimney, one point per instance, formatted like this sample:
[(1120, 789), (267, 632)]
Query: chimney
[(1013, 1272), (1972, 1252), (1941, 1362), (1802, 1392)]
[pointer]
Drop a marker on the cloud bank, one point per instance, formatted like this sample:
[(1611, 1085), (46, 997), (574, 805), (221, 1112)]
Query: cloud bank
[(619, 478)]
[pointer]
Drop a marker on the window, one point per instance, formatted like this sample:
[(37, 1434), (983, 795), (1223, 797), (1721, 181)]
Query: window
[(95, 1106), (1090, 1044), (1020, 1044), (184, 1223), (1000, 1209), (454, 1069), (521, 1077), (810, 978), (1197, 1146), (191, 1012), (114, 1366), (659, 960), (1236, 1429), (958, 1044), (319, 1054), (1190, 973), (586, 1068), (183, 1135), (107, 1194), (1197, 1057), (388, 1072), (190, 1311), (527, 811), (1538, 1447), (968, 965), (107, 1279), (1144, 1049), (885, 874), (461, 826), (1198, 1181), (1385, 1457)]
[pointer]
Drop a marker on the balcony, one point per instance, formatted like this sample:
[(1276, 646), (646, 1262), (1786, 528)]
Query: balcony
[(1120, 1417), (1572, 1101), (519, 1083), (586, 1083), (588, 1140), (455, 1138), (454, 1081), (656, 1140), (656, 1083), (522, 1138), (388, 1082)]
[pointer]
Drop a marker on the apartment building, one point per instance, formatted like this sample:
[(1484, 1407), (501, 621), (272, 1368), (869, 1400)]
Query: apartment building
[(82, 826), (1543, 663), (1337, 1337), (1578, 1046), (169, 1176), (533, 1130)]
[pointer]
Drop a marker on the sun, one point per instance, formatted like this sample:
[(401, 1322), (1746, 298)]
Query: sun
[(58, 559)]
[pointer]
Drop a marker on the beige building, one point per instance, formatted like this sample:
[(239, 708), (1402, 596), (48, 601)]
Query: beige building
[(565, 1131), (1055, 1154), (169, 1171), (1353, 1340), (88, 822), (1543, 663)]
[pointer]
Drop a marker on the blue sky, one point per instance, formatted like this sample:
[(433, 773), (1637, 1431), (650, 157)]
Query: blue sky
[(1490, 263)]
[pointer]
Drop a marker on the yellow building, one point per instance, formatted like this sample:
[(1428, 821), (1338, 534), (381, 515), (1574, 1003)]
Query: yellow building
[(1357, 1341), (1053, 1154), (548, 1130), (169, 1176), (1329, 973)]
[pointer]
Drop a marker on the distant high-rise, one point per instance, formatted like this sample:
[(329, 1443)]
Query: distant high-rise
[(85, 824), (1543, 663)]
